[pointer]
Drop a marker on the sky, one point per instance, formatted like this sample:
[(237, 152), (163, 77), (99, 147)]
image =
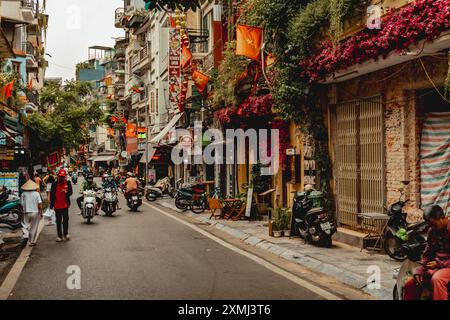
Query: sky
[(74, 25)]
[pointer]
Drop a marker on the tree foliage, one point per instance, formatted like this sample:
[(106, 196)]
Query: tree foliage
[(65, 113)]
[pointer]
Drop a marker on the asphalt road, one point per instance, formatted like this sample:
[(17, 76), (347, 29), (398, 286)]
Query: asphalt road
[(145, 255)]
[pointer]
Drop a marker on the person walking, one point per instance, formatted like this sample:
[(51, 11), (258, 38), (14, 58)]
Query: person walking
[(31, 202), (60, 193)]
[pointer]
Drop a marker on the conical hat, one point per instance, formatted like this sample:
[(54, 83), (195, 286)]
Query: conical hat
[(30, 185)]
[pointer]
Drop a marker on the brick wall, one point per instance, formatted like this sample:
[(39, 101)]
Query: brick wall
[(402, 119)]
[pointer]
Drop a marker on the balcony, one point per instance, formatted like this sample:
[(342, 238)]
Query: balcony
[(120, 13), (32, 54), (29, 9), (208, 62), (144, 61)]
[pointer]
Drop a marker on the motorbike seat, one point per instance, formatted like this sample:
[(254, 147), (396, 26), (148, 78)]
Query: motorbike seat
[(315, 211), (415, 226)]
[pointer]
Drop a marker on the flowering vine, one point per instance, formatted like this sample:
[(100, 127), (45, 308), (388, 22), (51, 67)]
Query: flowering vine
[(422, 20)]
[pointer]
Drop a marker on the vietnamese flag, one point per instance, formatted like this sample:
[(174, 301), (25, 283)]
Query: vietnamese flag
[(114, 119), (136, 89), (7, 90), (186, 57), (124, 120), (249, 41), (200, 80)]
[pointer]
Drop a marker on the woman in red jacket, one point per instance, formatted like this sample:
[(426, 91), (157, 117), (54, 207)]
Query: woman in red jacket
[(60, 201)]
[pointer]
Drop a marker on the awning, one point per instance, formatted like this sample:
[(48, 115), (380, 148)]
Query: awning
[(151, 153), (170, 125), (104, 158)]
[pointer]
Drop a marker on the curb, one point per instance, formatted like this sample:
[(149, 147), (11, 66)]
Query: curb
[(349, 278)]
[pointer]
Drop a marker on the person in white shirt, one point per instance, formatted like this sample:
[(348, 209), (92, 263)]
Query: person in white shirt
[(32, 211)]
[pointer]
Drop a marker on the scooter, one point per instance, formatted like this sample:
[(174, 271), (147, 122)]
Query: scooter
[(161, 188), (312, 224), (110, 200), (89, 205), (134, 200), (192, 197), (398, 232), (10, 211)]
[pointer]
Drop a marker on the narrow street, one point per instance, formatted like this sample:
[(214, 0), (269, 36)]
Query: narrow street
[(145, 256)]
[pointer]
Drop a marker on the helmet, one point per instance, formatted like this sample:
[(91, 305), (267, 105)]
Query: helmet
[(433, 212), (62, 173), (130, 174), (90, 176)]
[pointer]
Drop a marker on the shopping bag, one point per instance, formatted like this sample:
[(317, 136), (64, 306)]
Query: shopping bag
[(49, 213)]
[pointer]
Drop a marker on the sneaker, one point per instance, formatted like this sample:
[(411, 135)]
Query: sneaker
[(59, 240), (67, 238)]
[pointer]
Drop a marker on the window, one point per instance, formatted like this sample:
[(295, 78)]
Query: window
[(206, 28), (16, 68)]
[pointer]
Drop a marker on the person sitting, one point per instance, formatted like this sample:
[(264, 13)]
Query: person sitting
[(89, 184), (131, 185), (435, 264), (111, 183)]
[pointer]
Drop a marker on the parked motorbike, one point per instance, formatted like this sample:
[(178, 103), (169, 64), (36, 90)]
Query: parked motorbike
[(193, 197), (89, 205), (161, 188), (312, 224), (110, 200), (398, 232), (134, 200), (10, 211)]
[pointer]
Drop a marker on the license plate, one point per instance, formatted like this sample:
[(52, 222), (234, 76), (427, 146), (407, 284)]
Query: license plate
[(135, 198), (325, 226)]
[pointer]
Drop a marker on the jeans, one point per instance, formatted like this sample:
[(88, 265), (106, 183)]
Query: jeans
[(62, 220)]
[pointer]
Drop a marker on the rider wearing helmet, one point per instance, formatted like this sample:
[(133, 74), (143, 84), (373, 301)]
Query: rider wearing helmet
[(89, 184), (435, 265), (131, 184)]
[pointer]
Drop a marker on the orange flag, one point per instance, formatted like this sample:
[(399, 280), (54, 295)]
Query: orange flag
[(7, 90), (249, 41), (131, 131), (186, 57), (200, 80), (124, 120)]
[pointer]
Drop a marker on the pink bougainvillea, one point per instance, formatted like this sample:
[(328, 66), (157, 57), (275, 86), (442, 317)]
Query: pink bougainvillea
[(422, 20), (251, 107)]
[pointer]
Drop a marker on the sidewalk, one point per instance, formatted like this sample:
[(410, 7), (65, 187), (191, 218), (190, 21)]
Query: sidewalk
[(344, 263)]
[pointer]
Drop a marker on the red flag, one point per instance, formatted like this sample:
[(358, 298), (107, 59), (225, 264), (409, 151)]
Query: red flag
[(114, 119), (7, 90), (186, 57), (30, 84), (136, 89), (200, 80), (131, 131), (249, 41), (124, 120)]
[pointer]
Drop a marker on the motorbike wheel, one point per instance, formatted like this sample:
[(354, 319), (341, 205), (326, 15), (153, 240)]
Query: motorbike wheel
[(197, 206), (150, 196), (181, 203), (392, 245), (327, 242)]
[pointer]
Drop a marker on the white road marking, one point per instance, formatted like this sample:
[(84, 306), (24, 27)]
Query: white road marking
[(319, 291)]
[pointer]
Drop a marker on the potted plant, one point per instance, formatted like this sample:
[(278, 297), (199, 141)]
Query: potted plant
[(277, 224), (287, 223)]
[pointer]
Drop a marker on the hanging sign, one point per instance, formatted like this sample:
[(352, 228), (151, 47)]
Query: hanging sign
[(174, 67), (10, 180)]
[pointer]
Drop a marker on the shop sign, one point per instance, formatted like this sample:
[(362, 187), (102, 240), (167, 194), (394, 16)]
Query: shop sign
[(10, 180), (174, 67)]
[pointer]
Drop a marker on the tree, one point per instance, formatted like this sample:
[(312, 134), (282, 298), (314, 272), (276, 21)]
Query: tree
[(172, 4), (65, 114)]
